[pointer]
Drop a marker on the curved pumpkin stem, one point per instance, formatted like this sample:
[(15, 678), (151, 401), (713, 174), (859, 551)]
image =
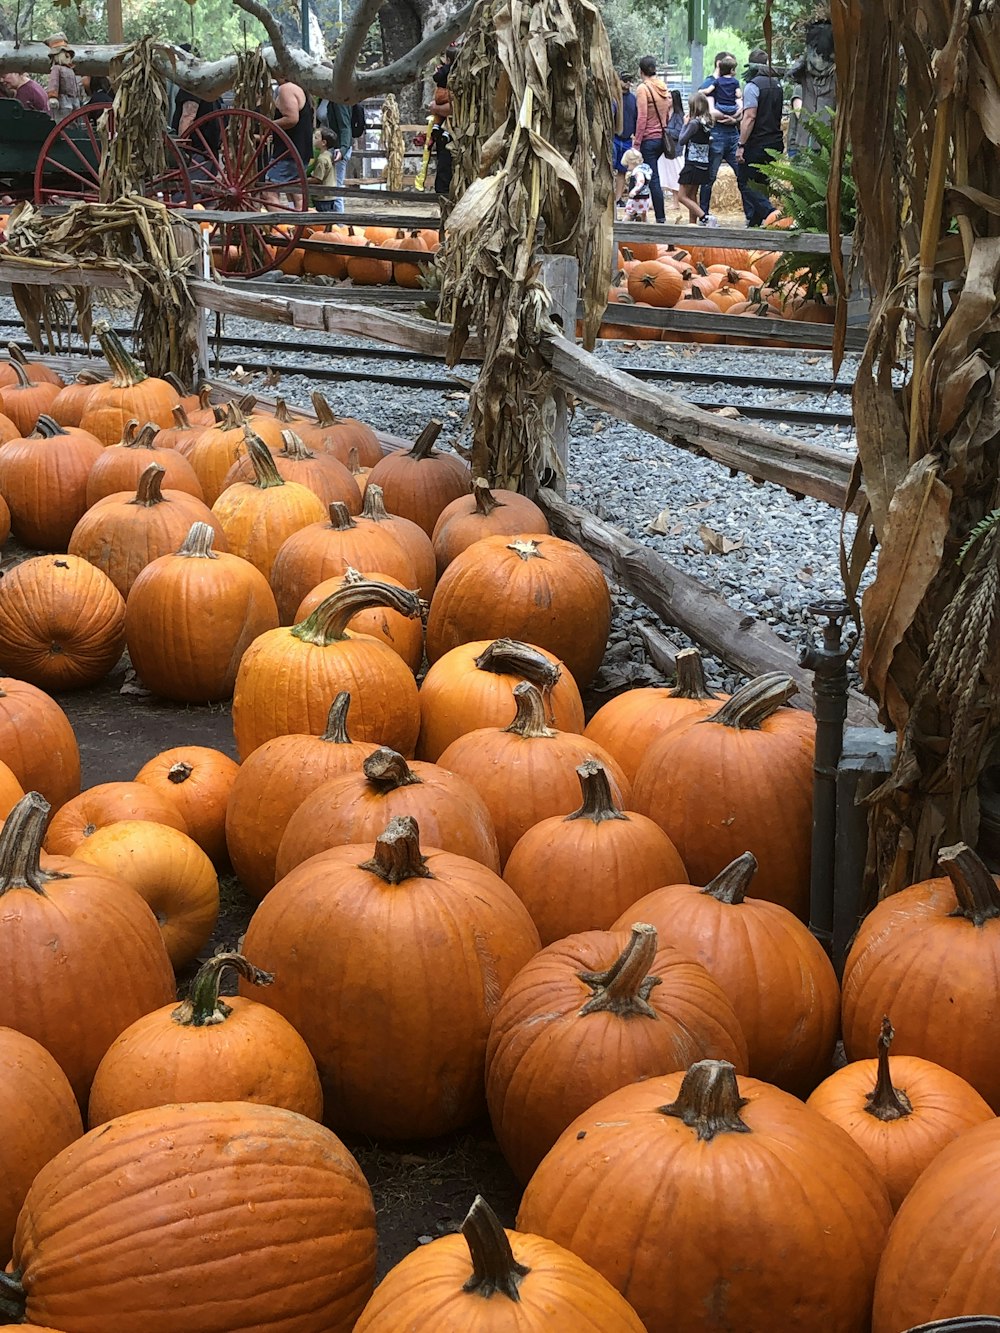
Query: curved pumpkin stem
[(975, 888), (340, 516), (139, 439), (46, 428), (530, 720), (328, 623), (885, 1102), (510, 657), (21, 846), (203, 1007), (494, 1268), (625, 987), (598, 803), (709, 1101), (293, 446), (755, 702), (690, 682), (423, 446), (24, 380), (397, 853), (127, 370), (147, 492), (265, 471), (374, 505), (386, 770), (180, 417), (486, 501), (198, 542), (336, 720), (730, 885)]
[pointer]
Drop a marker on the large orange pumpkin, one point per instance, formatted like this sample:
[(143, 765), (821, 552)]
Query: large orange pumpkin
[(199, 782), (495, 1281), (215, 449), (130, 393), (62, 622), (655, 283), (404, 636), (37, 742), (321, 473), (287, 675), (419, 483), (424, 945), (712, 1203), (411, 537), (484, 513), (43, 478), (68, 934), (739, 780), (119, 467), (259, 1215), (208, 1050), (339, 435), (589, 1014), (8, 431), (930, 955), (775, 973), (542, 590), (108, 803)]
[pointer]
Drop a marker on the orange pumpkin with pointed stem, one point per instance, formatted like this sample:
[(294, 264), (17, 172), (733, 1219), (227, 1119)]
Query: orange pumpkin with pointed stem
[(403, 635), (43, 477), (339, 435), (591, 1013), (130, 393), (356, 807), (449, 931), (323, 474), (216, 449), (775, 973), (109, 945), (199, 781), (181, 435), (359, 473), (62, 622), (484, 513), (24, 401), (418, 484), (271, 784), (70, 403), (579, 871), (495, 1281), (286, 676), (119, 467), (410, 536), (108, 803), (37, 742), (655, 283), (35, 370)]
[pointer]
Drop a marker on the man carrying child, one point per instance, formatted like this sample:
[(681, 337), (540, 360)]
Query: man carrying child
[(725, 99)]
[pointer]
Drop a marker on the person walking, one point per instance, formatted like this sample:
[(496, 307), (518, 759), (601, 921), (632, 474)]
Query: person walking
[(726, 113), (696, 140), (623, 140), (653, 107), (761, 139)]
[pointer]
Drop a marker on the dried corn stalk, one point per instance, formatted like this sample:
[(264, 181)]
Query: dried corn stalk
[(252, 89), (391, 143), (247, 147), (927, 167), (135, 153), (532, 92)]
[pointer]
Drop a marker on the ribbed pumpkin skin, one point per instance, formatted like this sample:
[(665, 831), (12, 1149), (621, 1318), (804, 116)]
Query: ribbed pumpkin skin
[(421, 488), (39, 1116), (8, 431), (403, 636), (461, 524), (107, 803), (44, 482), (943, 1106), (111, 407), (284, 687), (4, 521), (546, 1063), (62, 622), (410, 536), (69, 406), (628, 725), (775, 973), (559, 1295), (199, 781), (457, 697), (557, 599), (339, 435), (780, 1228), (326, 476), (320, 551), (258, 520), (212, 454), (11, 790), (404, 977), (942, 1258), (119, 467), (261, 1217), (24, 404), (37, 742)]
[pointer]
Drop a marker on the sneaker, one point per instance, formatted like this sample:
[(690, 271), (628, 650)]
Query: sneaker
[(711, 220), (702, 221)]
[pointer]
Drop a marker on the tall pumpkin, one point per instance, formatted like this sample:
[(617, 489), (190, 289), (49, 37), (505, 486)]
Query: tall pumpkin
[(43, 478), (712, 1203), (739, 780), (321, 473), (130, 393), (589, 1014), (420, 482), (37, 742), (242, 1207), (541, 590), (395, 961), (484, 513), (215, 449)]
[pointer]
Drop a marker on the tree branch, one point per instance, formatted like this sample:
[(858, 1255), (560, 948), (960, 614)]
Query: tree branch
[(283, 55), (344, 77), (390, 78)]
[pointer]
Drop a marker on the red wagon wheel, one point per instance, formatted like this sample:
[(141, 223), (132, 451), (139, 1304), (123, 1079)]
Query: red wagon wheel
[(69, 161), (241, 162)]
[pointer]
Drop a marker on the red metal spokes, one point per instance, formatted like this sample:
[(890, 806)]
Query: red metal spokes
[(68, 167)]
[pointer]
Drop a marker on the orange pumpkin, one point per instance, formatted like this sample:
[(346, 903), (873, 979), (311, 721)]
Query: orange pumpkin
[(410, 274), (26, 400), (216, 449), (4, 521), (418, 484), (366, 271), (108, 803), (37, 742), (43, 477), (8, 431), (11, 790), (404, 635), (199, 782), (339, 435), (130, 393), (119, 467), (181, 435), (411, 537), (484, 513), (655, 284), (323, 474), (70, 403), (35, 370)]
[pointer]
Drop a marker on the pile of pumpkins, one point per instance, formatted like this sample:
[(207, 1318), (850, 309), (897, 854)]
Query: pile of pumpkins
[(364, 269), (469, 900)]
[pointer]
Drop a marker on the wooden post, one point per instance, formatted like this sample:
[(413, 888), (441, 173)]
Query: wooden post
[(560, 274), (116, 32), (865, 763), (205, 265)]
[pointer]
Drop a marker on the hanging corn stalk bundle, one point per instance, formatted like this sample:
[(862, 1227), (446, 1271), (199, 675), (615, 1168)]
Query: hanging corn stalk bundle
[(532, 92), (927, 169), (135, 153), (247, 148), (391, 143)]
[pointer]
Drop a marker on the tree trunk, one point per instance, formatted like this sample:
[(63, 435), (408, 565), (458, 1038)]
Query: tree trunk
[(401, 23)]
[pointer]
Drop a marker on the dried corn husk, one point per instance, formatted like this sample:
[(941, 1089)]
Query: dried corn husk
[(391, 143), (135, 154)]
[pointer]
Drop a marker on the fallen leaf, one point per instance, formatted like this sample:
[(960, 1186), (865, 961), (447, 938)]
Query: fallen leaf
[(716, 543), (272, 377), (660, 524), (730, 412)]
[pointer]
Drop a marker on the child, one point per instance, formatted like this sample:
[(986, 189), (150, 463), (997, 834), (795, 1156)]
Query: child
[(323, 172), (637, 177), (696, 138), (725, 92)]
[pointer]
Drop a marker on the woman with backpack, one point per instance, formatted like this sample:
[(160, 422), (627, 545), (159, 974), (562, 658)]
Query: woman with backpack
[(654, 107)]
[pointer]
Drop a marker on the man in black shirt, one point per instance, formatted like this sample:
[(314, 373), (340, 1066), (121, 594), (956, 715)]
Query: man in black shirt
[(761, 138)]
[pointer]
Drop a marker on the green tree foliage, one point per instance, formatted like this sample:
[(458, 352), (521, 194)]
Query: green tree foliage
[(633, 31)]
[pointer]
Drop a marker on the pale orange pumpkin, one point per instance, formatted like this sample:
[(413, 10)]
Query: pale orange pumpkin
[(199, 781), (108, 803)]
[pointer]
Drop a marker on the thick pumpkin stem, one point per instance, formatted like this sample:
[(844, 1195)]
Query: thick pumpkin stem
[(203, 1007), (624, 989), (527, 550), (397, 853), (975, 888), (423, 446), (755, 702), (691, 682), (13, 1297), (328, 623), (282, 414), (529, 722), (265, 470), (24, 380), (340, 516), (293, 446), (885, 1102), (46, 428), (129, 431), (325, 415), (179, 772), (354, 463), (730, 885), (127, 370), (336, 720), (140, 439), (709, 1101), (598, 803), (374, 506), (198, 542), (148, 491), (181, 420), (494, 1268), (21, 846), (510, 657), (486, 501), (387, 770)]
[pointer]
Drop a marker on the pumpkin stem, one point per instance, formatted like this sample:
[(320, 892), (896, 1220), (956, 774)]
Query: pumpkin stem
[(336, 720), (510, 657), (203, 1007), (690, 682), (755, 702), (386, 770), (885, 1102), (340, 516), (24, 380), (265, 471), (282, 414), (485, 500), (709, 1100), (294, 446), (140, 439), (494, 1268), (527, 550), (374, 506), (423, 446), (181, 420), (624, 988), (179, 772), (21, 845), (232, 418), (176, 382), (598, 803), (730, 885), (148, 493), (530, 720), (397, 853), (46, 428), (354, 462), (198, 542), (328, 623), (127, 370), (325, 414), (129, 431), (975, 888), (13, 1297)]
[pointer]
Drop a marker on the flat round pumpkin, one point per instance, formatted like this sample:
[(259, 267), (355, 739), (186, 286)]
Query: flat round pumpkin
[(107, 803)]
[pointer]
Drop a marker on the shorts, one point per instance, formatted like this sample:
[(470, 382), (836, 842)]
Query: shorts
[(693, 175), (283, 172), (621, 147)]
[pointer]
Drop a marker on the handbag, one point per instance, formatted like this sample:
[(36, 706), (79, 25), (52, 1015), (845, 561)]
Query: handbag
[(669, 142)]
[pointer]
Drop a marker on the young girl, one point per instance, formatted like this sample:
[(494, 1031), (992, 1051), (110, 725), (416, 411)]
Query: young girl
[(696, 138), (637, 177)]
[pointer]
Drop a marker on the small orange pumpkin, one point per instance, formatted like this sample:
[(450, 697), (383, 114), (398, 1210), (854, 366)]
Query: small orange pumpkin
[(108, 803), (199, 781)]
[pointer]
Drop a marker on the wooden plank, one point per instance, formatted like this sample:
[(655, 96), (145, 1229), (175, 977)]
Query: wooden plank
[(738, 238), (362, 194), (800, 466), (312, 218), (561, 276), (50, 276), (369, 251), (786, 330)]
